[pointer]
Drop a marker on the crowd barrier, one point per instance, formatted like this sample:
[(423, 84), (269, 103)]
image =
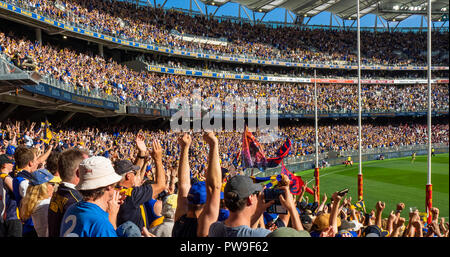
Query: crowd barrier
[(301, 163), (75, 97), (230, 75)]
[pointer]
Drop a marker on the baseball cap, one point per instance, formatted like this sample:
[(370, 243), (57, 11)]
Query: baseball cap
[(269, 217), (347, 233), (374, 231), (97, 172), (124, 166), (42, 176), (288, 232), (197, 193), (169, 205), (10, 150), (128, 229), (358, 225), (5, 159), (223, 214), (323, 221), (346, 225), (243, 186)]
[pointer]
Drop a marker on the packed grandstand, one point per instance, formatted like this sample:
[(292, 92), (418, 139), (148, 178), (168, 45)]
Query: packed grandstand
[(101, 96)]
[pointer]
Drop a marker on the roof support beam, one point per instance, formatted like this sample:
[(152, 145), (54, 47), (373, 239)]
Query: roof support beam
[(215, 11), (384, 25), (376, 22), (335, 18), (308, 21), (198, 6), (290, 14), (442, 25), (162, 6), (246, 13), (262, 18), (331, 19), (285, 16), (396, 26)]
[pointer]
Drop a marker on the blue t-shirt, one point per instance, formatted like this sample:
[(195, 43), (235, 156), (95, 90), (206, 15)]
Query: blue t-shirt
[(219, 229), (84, 219)]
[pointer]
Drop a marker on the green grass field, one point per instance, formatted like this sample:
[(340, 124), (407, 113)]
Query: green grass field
[(392, 181)]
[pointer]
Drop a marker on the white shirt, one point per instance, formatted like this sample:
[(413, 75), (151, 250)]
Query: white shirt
[(40, 218), (69, 185), (23, 186)]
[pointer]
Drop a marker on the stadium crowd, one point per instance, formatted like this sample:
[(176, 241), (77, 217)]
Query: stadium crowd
[(115, 141), (182, 63), (154, 25), (80, 180), (129, 181), (96, 74)]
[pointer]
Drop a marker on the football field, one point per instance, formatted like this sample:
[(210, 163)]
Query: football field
[(391, 181)]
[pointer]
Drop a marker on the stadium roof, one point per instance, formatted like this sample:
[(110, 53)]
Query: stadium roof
[(396, 10)]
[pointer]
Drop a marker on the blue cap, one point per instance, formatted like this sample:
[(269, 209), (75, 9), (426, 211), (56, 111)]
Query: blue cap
[(269, 217), (42, 176), (197, 193), (128, 229), (223, 214), (347, 233), (10, 150)]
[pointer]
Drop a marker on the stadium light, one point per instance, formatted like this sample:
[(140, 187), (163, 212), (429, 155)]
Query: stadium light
[(396, 7)]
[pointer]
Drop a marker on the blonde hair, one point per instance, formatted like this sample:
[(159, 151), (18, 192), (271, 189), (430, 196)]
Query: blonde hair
[(30, 200)]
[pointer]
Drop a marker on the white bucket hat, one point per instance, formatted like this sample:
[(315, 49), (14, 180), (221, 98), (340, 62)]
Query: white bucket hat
[(96, 172)]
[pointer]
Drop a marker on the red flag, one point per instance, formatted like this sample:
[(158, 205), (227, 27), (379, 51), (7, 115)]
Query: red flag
[(296, 181), (301, 183), (281, 153), (252, 153)]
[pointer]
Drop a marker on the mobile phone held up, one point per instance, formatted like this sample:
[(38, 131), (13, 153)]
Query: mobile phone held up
[(274, 195), (343, 192)]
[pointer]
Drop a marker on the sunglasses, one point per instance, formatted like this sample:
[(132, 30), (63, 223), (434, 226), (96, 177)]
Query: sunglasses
[(256, 193)]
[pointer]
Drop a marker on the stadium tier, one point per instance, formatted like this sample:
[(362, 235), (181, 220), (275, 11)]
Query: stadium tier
[(150, 28), (89, 91), (99, 76)]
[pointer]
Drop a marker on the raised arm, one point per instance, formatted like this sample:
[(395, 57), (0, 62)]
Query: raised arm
[(142, 151), (42, 158), (322, 205), (213, 182), (397, 226), (160, 177), (335, 211), (184, 180), (300, 197), (287, 200), (380, 207)]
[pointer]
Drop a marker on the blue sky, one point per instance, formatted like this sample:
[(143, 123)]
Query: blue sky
[(231, 9)]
